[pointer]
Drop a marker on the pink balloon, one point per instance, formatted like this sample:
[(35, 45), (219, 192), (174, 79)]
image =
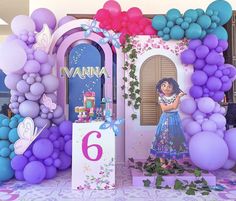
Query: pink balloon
[(134, 14), (102, 14), (113, 7), (148, 30)]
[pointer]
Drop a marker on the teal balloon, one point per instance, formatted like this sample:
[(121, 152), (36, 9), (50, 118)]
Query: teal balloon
[(2, 117), (176, 32), (160, 33), (159, 22), (4, 143), (200, 11), (210, 12), (185, 25), (4, 133), (166, 37), (173, 14), (13, 135), (13, 124), (5, 152), (194, 31), (193, 14), (6, 170), (12, 155), (179, 20), (203, 34), (166, 30), (204, 21), (170, 24), (224, 10), (213, 25), (5, 122), (221, 33), (188, 19)]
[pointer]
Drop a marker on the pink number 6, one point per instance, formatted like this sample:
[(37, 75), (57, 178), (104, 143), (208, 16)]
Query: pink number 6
[(85, 146)]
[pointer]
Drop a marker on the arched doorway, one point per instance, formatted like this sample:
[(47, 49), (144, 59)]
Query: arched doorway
[(152, 70)]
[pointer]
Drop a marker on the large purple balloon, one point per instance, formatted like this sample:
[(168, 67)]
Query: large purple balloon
[(230, 138), (188, 106), (202, 51), (50, 83), (42, 148), (229, 164), (206, 105), (211, 41), (214, 83), (41, 56), (192, 128), (199, 78), (210, 69), (208, 151), (65, 161), (199, 63), (29, 109), (218, 96), (34, 172), (219, 119), (213, 58), (22, 23), (43, 16), (188, 57), (193, 44), (19, 162), (11, 80), (66, 128), (196, 91)]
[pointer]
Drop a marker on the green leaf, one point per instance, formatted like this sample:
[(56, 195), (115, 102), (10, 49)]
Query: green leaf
[(134, 116), (125, 96), (146, 183), (129, 103), (178, 185), (137, 91), (136, 106), (197, 172), (159, 180), (125, 68), (125, 79), (190, 191), (205, 193)]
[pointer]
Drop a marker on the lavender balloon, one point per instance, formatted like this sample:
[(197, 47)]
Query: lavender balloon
[(29, 109), (230, 139), (188, 106)]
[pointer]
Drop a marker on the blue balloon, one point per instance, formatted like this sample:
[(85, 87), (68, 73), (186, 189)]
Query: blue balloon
[(173, 14), (5, 168), (185, 25), (194, 31), (213, 25), (221, 33), (200, 11), (204, 21), (176, 32), (159, 22), (170, 24), (210, 12), (160, 33), (166, 30), (166, 37), (224, 10), (179, 20), (193, 14)]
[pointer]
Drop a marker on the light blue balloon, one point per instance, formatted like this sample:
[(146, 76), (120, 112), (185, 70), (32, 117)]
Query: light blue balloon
[(204, 21), (6, 170), (5, 152), (185, 25), (179, 20), (213, 25), (159, 22), (193, 14), (188, 19), (173, 14), (194, 31), (4, 143), (210, 12), (13, 135), (166, 30), (224, 10), (4, 133), (170, 24), (160, 33), (200, 11), (221, 33), (176, 32), (166, 37)]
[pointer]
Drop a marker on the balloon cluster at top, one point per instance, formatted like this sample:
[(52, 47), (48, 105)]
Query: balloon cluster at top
[(131, 22), (28, 67), (212, 77), (194, 24)]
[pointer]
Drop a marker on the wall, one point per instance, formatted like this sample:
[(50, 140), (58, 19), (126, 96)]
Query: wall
[(63, 7)]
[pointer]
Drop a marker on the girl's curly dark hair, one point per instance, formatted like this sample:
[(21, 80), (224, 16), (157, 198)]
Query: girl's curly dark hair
[(171, 81)]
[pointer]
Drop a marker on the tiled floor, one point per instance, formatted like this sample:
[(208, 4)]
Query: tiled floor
[(60, 189)]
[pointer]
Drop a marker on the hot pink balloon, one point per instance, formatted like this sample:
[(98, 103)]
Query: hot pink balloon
[(113, 7), (134, 14)]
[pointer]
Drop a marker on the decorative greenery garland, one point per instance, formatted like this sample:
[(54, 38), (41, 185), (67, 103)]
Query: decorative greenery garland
[(133, 94), (154, 166)]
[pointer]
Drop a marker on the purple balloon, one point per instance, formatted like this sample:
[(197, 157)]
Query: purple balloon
[(213, 58), (214, 83), (58, 112), (188, 106), (66, 128), (42, 148), (208, 151), (226, 71), (29, 109), (19, 162), (202, 51), (223, 44), (188, 56), (193, 44), (210, 69), (211, 41), (22, 86), (43, 16), (41, 56), (11, 80), (32, 66), (19, 175), (65, 19), (218, 96), (219, 73), (192, 128), (229, 164), (185, 121), (199, 64), (58, 120), (219, 119), (37, 89), (40, 122), (209, 125), (196, 91), (34, 172), (206, 105), (230, 139), (21, 23), (50, 83), (20, 43), (51, 172), (199, 78), (32, 97), (65, 161), (45, 69), (68, 148), (226, 86)]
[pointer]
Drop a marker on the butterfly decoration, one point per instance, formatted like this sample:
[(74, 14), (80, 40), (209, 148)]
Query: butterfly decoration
[(114, 39), (90, 28), (109, 123), (218, 187), (43, 39), (27, 134), (47, 101), (106, 100)]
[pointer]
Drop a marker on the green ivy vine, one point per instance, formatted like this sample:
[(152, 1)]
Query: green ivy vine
[(133, 92), (154, 166)]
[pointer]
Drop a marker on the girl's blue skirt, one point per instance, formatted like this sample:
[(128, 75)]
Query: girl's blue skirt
[(169, 140)]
